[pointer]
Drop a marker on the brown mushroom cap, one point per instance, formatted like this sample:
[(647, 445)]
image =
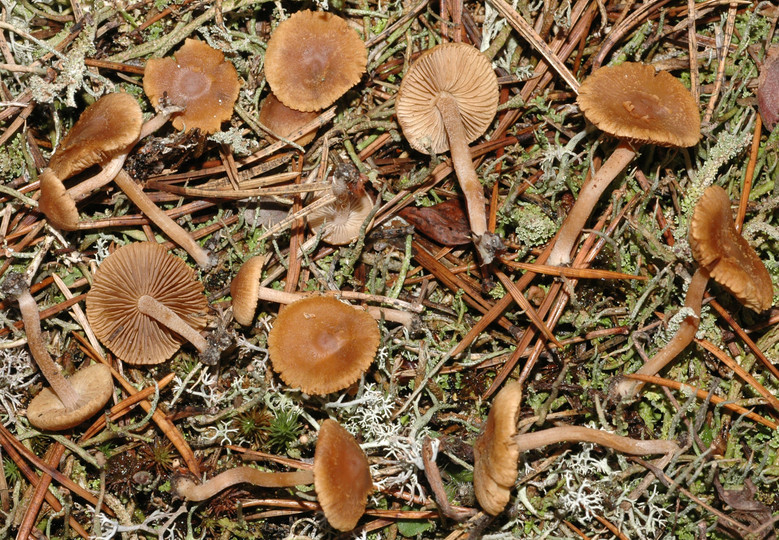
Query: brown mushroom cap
[(94, 386), (131, 272), (321, 345), (724, 253), (312, 59), (107, 127), (198, 79), (455, 68), (283, 120), (55, 203), (496, 453), (632, 101), (342, 478), (244, 289)]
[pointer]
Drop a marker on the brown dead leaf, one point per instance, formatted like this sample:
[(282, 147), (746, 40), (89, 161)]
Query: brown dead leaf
[(446, 223)]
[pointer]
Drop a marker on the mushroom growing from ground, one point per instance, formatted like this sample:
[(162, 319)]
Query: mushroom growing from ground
[(198, 79), (69, 401), (341, 477), (639, 106), (144, 302), (282, 120), (497, 449), (446, 100), (312, 59), (341, 221), (321, 345), (723, 255)]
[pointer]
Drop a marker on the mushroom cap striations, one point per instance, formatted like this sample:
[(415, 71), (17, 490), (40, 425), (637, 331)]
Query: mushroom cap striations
[(455, 68), (496, 453), (632, 101), (107, 127), (198, 79), (312, 59), (94, 386), (321, 345), (342, 478), (132, 271), (723, 252)]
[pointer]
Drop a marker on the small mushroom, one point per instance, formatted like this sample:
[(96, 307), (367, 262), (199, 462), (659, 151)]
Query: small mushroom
[(341, 477), (639, 106), (69, 401), (342, 220), (321, 345), (282, 120), (312, 59), (497, 449), (447, 99), (198, 79), (144, 302)]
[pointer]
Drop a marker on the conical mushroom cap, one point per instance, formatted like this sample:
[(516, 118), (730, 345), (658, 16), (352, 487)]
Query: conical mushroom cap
[(632, 101), (94, 386), (455, 68), (723, 252), (342, 478)]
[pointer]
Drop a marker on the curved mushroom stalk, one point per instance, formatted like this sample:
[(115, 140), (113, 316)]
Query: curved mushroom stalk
[(186, 488), (625, 445)]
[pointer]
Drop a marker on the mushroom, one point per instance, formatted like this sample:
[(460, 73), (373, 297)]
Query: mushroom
[(341, 220), (282, 120), (69, 401), (312, 59), (639, 106), (144, 302), (497, 449), (446, 100), (321, 345), (197, 78), (341, 477), (723, 255)]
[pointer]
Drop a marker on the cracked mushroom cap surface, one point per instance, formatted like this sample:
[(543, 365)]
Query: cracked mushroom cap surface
[(130, 272), (342, 477), (725, 254), (312, 59), (321, 345), (455, 68), (94, 386), (197, 78), (106, 128), (496, 453), (633, 101)]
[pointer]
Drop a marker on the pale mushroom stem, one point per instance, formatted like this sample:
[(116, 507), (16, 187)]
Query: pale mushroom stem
[(162, 220), (626, 445), (167, 317), (589, 195), (186, 488), (32, 326), (683, 337)]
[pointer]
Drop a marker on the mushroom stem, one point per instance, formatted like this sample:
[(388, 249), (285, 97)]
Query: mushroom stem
[(187, 488), (16, 286), (162, 220), (588, 197), (167, 317), (626, 445), (682, 338)]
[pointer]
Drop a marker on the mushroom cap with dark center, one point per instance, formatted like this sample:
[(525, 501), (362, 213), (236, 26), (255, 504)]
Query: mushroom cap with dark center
[(94, 386), (496, 453), (312, 59), (321, 345), (455, 68), (283, 120), (107, 127), (632, 101), (197, 79), (132, 271), (342, 478), (725, 254)]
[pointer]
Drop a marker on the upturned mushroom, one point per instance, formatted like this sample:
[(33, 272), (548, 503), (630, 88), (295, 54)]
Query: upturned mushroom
[(70, 401), (446, 100), (639, 106), (340, 221), (341, 477), (144, 302), (497, 449)]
